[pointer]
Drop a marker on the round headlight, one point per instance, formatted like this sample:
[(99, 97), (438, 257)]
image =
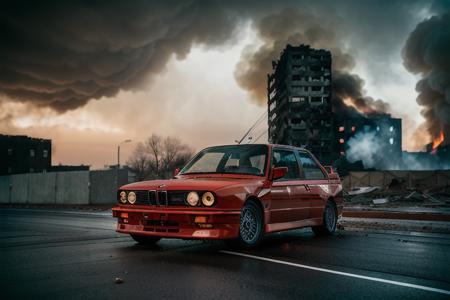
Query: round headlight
[(208, 199), (192, 198), (123, 197), (131, 197)]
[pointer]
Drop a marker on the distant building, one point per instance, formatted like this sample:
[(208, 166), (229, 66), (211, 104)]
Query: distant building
[(68, 168), (23, 154), (387, 131), (299, 101)]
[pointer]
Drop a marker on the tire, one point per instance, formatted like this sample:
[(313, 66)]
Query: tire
[(251, 227), (145, 240), (329, 221)]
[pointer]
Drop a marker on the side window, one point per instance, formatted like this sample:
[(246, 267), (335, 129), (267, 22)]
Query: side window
[(286, 158), (310, 168)]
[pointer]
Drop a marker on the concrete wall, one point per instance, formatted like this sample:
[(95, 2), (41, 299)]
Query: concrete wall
[(99, 187), (407, 179), (104, 184), (72, 187), (19, 188), (78, 187), (41, 188), (5, 182)]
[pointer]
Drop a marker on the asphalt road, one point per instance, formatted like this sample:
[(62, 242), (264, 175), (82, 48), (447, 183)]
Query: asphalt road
[(70, 255)]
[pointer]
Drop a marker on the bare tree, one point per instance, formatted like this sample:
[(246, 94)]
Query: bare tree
[(158, 156), (139, 162), (154, 149)]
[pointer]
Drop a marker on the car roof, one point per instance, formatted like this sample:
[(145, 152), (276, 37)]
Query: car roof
[(265, 144)]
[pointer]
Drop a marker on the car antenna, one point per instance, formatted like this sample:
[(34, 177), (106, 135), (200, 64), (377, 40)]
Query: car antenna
[(251, 128)]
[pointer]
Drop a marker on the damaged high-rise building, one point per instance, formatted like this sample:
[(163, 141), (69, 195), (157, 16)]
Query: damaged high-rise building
[(300, 110)]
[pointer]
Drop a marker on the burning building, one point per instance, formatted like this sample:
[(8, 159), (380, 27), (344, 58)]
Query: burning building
[(435, 157), (302, 112), (439, 151)]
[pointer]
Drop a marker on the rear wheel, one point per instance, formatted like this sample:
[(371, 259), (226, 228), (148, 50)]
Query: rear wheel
[(145, 240), (329, 221), (251, 226)]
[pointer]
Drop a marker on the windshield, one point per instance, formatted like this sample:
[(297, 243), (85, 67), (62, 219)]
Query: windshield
[(239, 159)]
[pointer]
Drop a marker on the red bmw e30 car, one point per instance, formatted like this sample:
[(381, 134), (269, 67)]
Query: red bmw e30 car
[(235, 192)]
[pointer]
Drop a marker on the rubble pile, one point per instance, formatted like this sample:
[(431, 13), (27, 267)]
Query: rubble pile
[(396, 194)]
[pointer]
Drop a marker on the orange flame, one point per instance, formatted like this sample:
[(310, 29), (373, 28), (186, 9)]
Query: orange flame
[(437, 141)]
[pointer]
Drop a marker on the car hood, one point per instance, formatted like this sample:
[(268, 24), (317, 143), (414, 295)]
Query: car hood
[(211, 184)]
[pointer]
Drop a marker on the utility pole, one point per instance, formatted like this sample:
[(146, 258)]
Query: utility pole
[(118, 152), (118, 160)]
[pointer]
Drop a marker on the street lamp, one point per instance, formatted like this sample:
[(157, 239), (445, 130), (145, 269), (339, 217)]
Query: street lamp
[(118, 152)]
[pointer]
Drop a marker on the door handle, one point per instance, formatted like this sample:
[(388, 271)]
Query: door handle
[(307, 187)]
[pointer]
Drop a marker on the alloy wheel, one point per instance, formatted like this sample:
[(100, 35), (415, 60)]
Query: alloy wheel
[(249, 225), (330, 218)]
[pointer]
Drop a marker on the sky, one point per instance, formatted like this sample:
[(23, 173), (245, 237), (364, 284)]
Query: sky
[(105, 73)]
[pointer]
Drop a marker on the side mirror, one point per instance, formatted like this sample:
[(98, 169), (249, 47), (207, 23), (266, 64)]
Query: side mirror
[(331, 174), (176, 171), (279, 172)]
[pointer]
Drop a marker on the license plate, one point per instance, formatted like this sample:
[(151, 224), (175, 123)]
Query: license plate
[(201, 233)]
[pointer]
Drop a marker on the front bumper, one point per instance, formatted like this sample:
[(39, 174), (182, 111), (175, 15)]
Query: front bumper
[(177, 222)]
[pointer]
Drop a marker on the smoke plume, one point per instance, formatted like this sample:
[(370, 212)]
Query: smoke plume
[(367, 146), (292, 26), (61, 54), (427, 53)]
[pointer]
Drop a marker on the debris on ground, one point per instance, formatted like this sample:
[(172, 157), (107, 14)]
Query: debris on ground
[(397, 195), (382, 225), (380, 201), (363, 190), (118, 280)]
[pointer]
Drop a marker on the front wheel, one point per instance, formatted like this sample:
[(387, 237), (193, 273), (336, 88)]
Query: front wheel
[(145, 240), (329, 221), (251, 226)]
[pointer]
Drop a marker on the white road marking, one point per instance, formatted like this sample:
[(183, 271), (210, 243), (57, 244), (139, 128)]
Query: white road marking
[(393, 282), (102, 213)]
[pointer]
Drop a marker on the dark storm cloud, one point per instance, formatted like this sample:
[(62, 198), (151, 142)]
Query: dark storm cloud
[(62, 54), (427, 53)]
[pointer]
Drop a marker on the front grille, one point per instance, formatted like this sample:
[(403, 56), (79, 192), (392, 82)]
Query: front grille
[(142, 197), (176, 198), (161, 198), (145, 197), (152, 197)]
